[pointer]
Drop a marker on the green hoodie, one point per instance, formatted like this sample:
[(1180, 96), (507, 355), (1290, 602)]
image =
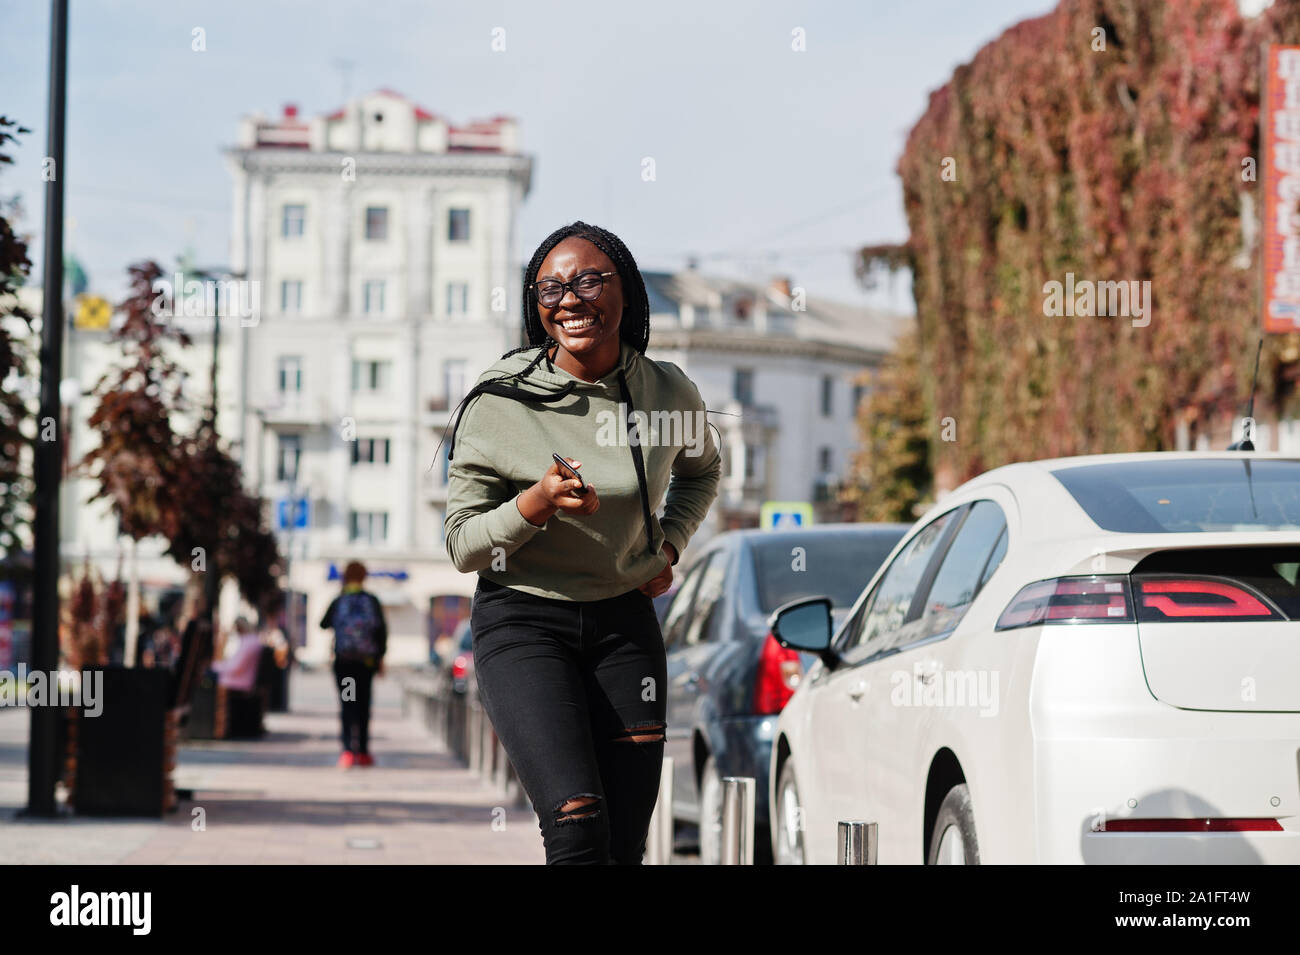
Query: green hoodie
[(502, 444)]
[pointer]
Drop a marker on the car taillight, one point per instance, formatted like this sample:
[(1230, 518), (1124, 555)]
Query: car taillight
[(459, 666), (1192, 599), (1190, 825), (779, 672), (1069, 600)]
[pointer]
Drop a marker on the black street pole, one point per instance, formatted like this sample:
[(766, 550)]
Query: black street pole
[(42, 760), (212, 580)]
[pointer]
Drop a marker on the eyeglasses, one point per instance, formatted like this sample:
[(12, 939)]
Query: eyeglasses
[(586, 286)]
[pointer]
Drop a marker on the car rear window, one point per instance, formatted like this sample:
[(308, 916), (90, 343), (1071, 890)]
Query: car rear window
[(1184, 496), (837, 565)]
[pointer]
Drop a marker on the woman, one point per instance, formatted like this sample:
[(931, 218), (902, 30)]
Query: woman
[(568, 654)]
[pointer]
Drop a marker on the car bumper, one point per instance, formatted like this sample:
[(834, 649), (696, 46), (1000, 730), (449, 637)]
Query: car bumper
[(1104, 749)]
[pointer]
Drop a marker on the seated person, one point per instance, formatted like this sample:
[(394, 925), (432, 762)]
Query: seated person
[(239, 670)]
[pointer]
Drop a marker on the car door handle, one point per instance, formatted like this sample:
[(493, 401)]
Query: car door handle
[(928, 674), (858, 692)]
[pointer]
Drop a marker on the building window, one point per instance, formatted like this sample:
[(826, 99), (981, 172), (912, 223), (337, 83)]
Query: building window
[(371, 375), (859, 391), (824, 460), (742, 386), (453, 380), (372, 297), (458, 225), (370, 451), (377, 223), (288, 458), (289, 374), (457, 298), (751, 461), (368, 527), (828, 389), (292, 219), (290, 297)]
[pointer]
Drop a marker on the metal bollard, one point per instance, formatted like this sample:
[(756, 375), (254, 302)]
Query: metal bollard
[(856, 843), (737, 820), (515, 793), (473, 734), (500, 764), (659, 840), (485, 744)]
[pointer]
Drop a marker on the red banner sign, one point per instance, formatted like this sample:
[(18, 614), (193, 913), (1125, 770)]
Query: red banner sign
[(1280, 126)]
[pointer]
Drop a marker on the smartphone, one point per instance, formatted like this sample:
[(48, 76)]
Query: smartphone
[(566, 466)]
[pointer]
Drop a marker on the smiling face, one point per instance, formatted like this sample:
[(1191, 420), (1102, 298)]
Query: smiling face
[(586, 330)]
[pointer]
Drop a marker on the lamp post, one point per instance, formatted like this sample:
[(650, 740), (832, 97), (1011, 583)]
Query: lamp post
[(212, 578), (42, 760)]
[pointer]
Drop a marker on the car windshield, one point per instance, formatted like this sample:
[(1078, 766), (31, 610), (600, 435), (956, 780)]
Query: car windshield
[(1186, 496), (837, 565)]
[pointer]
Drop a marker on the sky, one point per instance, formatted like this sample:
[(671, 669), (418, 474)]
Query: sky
[(768, 161)]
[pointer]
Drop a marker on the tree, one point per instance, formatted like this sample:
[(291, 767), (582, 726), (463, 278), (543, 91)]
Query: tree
[(185, 488), (139, 463), (15, 412), (1103, 140), (891, 475)]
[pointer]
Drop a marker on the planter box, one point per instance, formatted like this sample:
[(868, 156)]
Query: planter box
[(122, 760)]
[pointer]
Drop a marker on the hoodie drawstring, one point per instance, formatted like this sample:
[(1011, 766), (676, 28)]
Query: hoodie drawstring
[(638, 461)]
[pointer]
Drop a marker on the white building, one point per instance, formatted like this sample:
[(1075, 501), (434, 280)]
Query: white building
[(378, 243), (780, 367), (382, 238)]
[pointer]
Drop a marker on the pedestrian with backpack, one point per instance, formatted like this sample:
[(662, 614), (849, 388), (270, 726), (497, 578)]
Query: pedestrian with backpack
[(360, 642)]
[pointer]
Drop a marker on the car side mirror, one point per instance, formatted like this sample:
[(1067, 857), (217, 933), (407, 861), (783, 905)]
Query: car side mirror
[(805, 624)]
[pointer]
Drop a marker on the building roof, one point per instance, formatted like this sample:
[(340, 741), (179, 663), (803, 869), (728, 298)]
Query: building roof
[(433, 133)]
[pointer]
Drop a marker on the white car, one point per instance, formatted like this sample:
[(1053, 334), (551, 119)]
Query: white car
[(1087, 660)]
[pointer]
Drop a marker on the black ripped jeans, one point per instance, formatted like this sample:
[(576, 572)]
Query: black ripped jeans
[(576, 691)]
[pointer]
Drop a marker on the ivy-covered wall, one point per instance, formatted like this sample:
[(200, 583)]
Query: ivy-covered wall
[(1104, 140)]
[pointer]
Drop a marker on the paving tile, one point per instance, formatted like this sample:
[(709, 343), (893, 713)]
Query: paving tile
[(280, 800)]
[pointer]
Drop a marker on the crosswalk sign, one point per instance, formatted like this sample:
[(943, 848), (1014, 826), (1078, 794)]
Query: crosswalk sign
[(782, 515)]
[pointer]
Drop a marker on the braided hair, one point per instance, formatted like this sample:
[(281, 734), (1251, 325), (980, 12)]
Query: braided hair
[(634, 326)]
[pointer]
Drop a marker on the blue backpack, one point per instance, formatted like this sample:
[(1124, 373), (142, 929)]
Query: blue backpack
[(356, 627)]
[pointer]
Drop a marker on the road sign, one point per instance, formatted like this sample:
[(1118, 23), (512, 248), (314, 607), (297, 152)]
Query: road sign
[(301, 511), (779, 515)]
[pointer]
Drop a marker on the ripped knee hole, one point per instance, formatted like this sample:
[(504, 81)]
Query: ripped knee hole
[(575, 808), (648, 732)]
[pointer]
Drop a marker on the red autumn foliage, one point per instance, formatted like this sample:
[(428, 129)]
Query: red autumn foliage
[(1122, 163), (184, 488)]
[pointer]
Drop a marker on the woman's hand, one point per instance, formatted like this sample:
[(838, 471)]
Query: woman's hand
[(555, 492), (664, 579)]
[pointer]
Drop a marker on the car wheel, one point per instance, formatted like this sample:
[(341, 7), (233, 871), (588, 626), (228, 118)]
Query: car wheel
[(789, 819), (710, 814), (953, 840)]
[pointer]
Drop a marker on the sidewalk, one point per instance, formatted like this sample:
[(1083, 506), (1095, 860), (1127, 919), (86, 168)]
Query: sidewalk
[(282, 800)]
